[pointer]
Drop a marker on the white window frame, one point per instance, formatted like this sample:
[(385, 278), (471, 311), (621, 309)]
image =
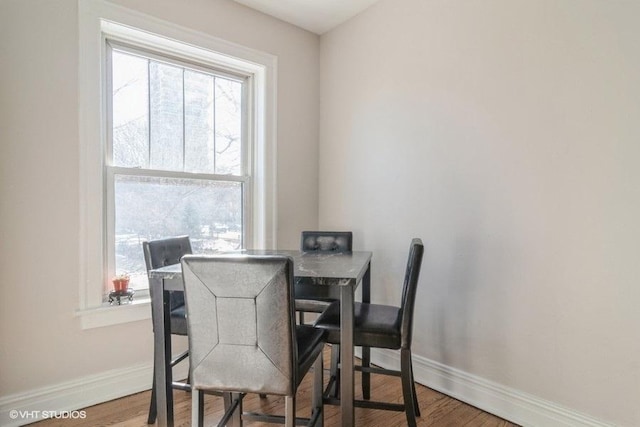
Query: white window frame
[(99, 20), (245, 177)]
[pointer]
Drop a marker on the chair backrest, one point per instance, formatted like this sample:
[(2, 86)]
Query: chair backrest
[(163, 252), (409, 288), (241, 323), (326, 241)]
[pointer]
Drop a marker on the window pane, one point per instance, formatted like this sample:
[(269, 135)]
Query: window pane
[(165, 83), (198, 117), (130, 110), (228, 122), (148, 208), (166, 117)]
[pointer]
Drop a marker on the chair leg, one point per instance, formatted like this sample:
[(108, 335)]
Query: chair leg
[(407, 387), (316, 396), (201, 410), (236, 420), (415, 395), (334, 371), (227, 398), (197, 408), (232, 410), (366, 376), (153, 408), (290, 411)]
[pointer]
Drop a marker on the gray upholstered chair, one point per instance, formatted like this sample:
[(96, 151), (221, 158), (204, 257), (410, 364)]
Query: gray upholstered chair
[(243, 336), (160, 253), (383, 326)]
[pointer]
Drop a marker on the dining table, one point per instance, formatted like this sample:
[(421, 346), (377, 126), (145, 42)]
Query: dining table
[(344, 271)]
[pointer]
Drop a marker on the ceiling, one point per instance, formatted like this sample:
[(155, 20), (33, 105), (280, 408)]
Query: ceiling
[(317, 16)]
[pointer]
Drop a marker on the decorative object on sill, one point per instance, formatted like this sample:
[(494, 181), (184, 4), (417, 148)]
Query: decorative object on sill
[(121, 289), (120, 282), (118, 296)]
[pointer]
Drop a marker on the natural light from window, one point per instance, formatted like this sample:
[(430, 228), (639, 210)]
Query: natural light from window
[(176, 163), (177, 137)]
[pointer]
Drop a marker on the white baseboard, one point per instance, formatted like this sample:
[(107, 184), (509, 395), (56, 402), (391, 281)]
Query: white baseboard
[(28, 407), (497, 399), (505, 402)]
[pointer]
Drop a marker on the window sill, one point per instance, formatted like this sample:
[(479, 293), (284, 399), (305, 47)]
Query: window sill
[(109, 315)]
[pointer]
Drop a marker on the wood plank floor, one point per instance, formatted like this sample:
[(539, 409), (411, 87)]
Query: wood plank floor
[(437, 409)]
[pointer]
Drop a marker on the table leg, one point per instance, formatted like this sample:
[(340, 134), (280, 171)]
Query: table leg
[(168, 372), (162, 351), (366, 351), (346, 356)]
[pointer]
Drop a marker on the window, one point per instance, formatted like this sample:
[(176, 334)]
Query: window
[(177, 136), (176, 157)]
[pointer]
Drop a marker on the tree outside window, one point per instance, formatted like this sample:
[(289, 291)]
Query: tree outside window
[(177, 157)]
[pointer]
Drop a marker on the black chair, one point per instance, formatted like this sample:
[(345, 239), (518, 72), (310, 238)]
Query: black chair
[(160, 253), (243, 336), (383, 326), (310, 297)]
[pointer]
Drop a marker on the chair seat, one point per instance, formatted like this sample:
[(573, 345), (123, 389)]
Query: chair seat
[(375, 325), (310, 342), (178, 317), (312, 305)]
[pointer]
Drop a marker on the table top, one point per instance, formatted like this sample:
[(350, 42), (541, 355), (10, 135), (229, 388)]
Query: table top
[(334, 268)]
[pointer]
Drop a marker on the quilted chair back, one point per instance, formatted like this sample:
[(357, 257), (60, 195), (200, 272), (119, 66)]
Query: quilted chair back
[(326, 241), (162, 252), (241, 323)]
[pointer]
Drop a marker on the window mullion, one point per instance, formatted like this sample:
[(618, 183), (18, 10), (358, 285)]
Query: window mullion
[(184, 125), (215, 156), (149, 113)]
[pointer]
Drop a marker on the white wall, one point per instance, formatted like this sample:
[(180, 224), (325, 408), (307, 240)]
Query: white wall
[(42, 343), (505, 134)]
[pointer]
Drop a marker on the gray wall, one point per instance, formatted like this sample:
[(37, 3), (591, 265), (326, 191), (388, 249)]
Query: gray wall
[(506, 135)]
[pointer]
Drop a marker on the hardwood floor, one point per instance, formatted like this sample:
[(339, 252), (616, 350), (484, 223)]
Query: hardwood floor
[(437, 409)]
